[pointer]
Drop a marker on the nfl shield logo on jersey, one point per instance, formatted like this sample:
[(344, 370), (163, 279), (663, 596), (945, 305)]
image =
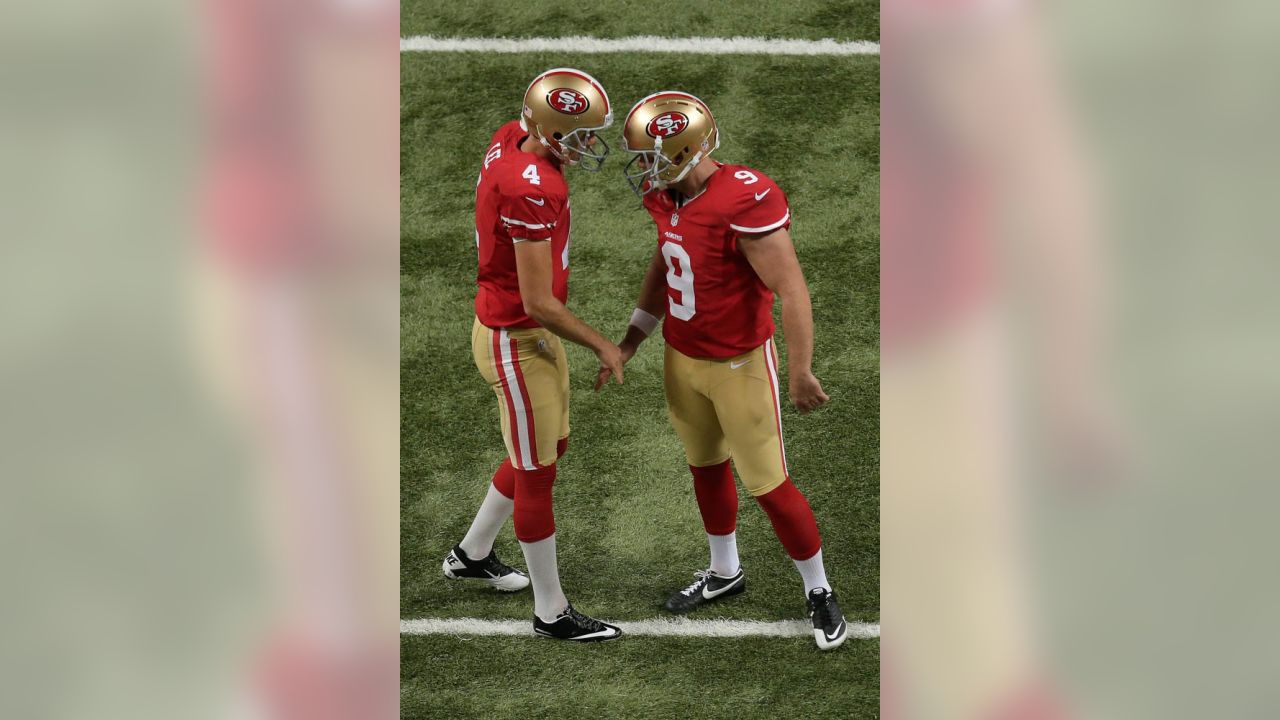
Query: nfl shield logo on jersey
[(675, 218)]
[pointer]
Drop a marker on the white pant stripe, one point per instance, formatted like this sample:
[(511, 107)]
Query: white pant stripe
[(777, 400), (522, 410)]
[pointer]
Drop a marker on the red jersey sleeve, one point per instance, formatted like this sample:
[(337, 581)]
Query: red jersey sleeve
[(759, 206), (529, 213)]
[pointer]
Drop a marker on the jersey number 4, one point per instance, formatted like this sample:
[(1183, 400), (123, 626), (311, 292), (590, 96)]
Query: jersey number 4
[(679, 279)]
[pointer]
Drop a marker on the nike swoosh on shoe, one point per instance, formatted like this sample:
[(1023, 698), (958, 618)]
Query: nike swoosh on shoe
[(718, 593), (597, 634)]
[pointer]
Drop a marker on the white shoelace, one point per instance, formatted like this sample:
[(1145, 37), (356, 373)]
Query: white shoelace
[(702, 576)]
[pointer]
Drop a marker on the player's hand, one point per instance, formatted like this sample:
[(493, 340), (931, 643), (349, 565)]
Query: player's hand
[(611, 361), (806, 392)]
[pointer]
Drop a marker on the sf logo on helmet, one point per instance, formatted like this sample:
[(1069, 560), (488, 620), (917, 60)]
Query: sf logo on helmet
[(568, 101), (667, 124)]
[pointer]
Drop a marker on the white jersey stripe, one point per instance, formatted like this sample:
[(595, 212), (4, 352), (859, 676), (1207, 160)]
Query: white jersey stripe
[(777, 400), (766, 228), (518, 401), (525, 224)]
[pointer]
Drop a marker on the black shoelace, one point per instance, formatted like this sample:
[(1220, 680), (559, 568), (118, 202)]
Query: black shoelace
[(584, 621), (822, 611), (496, 566)]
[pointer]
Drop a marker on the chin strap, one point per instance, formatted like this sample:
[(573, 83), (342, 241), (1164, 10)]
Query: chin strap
[(658, 182), (692, 163), (547, 144)]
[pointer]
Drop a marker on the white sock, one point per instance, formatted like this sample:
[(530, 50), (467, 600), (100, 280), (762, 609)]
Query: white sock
[(493, 513), (814, 575), (548, 599), (724, 554)]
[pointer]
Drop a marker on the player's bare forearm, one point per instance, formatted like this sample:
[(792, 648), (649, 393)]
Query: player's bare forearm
[(554, 316), (533, 271), (653, 295), (804, 388), (773, 257), (797, 327), (631, 340), (653, 300)]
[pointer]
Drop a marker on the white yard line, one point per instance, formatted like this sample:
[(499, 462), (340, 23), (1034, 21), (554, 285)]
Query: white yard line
[(674, 627), (641, 43)]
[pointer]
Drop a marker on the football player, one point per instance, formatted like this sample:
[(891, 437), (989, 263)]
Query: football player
[(522, 236), (723, 251)]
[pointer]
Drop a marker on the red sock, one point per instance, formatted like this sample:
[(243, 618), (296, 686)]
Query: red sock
[(717, 497), (561, 445), (504, 479), (532, 516), (792, 520)]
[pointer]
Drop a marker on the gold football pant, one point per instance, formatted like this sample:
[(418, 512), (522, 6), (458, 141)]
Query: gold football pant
[(729, 407), (529, 372)]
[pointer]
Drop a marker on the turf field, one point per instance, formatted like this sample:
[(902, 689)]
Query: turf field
[(627, 525)]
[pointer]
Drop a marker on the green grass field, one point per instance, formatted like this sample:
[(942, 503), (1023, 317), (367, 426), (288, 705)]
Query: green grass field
[(628, 526), (807, 19)]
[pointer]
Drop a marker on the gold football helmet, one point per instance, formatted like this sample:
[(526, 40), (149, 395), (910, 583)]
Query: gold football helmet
[(669, 133), (563, 110)]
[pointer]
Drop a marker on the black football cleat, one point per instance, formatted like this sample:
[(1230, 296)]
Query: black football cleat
[(573, 625), (829, 627), (708, 587), (457, 566)]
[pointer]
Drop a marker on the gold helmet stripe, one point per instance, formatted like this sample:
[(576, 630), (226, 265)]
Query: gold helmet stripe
[(662, 94)]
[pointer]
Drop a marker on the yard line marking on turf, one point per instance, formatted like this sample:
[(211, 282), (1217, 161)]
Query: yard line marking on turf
[(658, 627), (641, 43)]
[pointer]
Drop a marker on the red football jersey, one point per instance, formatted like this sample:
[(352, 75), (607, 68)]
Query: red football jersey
[(520, 197), (717, 306)]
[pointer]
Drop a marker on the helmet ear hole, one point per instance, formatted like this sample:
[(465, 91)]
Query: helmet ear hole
[(557, 135)]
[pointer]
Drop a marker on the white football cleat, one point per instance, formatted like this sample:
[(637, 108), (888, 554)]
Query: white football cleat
[(457, 566)]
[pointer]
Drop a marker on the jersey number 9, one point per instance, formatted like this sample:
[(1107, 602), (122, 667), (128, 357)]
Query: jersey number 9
[(680, 279)]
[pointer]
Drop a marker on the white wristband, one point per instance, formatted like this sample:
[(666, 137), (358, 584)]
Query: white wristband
[(643, 321)]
